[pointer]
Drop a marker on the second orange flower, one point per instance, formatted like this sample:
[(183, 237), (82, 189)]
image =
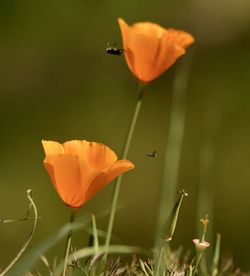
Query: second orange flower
[(78, 169), (150, 49)]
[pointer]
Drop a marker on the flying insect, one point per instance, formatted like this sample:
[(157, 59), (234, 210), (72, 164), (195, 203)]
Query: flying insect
[(113, 50), (152, 154)]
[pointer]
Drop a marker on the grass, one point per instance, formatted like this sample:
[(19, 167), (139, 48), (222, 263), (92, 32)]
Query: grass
[(122, 259)]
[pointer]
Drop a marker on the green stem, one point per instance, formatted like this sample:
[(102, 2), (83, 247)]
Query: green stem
[(190, 271), (94, 233), (206, 189), (174, 147), (68, 244), (124, 156), (216, 257), (159, 261), (197, 262)]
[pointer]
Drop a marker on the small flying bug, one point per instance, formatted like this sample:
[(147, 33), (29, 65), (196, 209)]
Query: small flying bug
[(152, 154), (114, 51)]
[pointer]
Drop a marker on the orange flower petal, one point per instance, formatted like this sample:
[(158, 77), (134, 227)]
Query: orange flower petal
[(140, 47), (163, 61), (150, 49), (118, 168), (148, 28), (98, 155), (173, 43), (70, 176), (181, 38), (52, 147)]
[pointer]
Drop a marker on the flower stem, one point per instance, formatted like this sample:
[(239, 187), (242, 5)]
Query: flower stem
[(197, 262), (124, 156), (68, 244)]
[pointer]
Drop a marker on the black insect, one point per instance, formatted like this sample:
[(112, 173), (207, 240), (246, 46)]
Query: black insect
[(152, 154), (112, 50)]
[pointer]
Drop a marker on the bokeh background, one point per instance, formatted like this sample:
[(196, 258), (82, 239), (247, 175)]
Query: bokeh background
[(57, 82)]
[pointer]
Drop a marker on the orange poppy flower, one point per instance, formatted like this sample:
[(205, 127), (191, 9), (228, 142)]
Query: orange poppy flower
[(150, 49), (79, 169)]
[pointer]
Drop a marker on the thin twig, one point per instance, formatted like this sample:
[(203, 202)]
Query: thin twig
[(32, 204)]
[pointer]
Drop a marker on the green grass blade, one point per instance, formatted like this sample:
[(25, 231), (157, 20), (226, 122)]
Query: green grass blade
[(172, 220), (28, 261), (174, 145), (143, 268), (216, 256)]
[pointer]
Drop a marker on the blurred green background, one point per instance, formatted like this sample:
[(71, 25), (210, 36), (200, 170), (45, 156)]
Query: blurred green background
[(57, 82)]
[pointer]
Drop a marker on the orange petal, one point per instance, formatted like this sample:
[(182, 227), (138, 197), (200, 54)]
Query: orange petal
[(128, 52), (98, 183), (173, 46), (52, 147), (169, 52), (97, 155), (71, 177), (149, 28), (141, 48), (181, 38), (118, 168), (124, 27), (79, 148)]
